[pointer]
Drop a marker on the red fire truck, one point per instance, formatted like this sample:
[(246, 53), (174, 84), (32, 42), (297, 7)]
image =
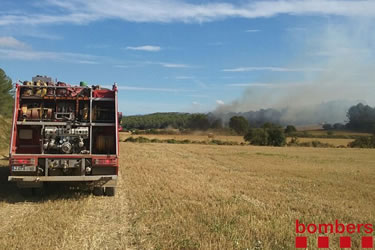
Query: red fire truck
[(63, 133)]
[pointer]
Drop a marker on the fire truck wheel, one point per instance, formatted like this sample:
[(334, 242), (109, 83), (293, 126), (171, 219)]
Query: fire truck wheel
[(98, 191), (110, 191)]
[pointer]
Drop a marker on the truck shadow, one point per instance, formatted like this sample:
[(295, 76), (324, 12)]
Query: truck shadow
[(11, 194)]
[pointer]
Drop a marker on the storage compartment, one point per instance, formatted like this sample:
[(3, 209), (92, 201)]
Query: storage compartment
[(28, 140), (103, 111), (104, 141)]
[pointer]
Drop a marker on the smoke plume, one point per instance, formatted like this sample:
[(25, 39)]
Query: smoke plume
[(343, 58)]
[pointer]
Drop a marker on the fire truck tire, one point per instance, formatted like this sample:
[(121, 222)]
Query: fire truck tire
[(98, 191), (110, 191)]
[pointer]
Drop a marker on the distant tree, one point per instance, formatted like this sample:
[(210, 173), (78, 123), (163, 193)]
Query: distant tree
[(6, 98), (276, 137), (338, 126), (273, 136), (290, 129), (239, 124), (217, 124), (199, 122), (361, 118), (257, 136), (363, 142), (156, 121), (327, 126)]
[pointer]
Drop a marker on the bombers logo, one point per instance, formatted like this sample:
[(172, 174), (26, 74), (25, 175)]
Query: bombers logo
[(335, 228)]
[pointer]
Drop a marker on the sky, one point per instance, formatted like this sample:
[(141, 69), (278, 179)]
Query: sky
[(180, 55)]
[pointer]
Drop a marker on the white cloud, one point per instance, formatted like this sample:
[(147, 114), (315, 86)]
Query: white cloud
[(11, 42), (87, 62), (121, 66), (252, 31), (275, 69), (83, 11), (174, 65), (29, 55), (148, 48), (220, 102)]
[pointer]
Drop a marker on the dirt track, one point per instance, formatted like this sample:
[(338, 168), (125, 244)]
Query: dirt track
[(62, 219)]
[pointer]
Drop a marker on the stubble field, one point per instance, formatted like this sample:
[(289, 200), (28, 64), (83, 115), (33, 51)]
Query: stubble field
[(174, 196)]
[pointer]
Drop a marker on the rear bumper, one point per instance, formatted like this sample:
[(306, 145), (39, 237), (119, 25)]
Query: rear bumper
[(103, 180)]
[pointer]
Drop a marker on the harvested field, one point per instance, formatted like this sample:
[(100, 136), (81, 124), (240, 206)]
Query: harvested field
[(333, 141), (336, 132), (62, 219), (213, 197), (174, 196)]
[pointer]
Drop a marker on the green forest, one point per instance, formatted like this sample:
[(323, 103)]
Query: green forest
[(360, 117), (6, 105), (6, 98)]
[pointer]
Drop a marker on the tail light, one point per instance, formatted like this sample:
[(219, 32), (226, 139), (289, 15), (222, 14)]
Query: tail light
[(105, 162), (23, 161)]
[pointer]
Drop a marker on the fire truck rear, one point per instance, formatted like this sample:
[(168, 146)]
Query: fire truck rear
[(63, 133)]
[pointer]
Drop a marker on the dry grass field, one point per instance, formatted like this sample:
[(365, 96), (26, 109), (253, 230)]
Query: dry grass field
[(336, 132), (231, 138), (174, 196), (334, 141)]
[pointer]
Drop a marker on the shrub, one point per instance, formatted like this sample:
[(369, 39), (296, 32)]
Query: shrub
[(316, 144), (130, 139), (257, 136), (239, 124), (276, 137), (273, 136), (363, 142), (327, 126), (290, 129)]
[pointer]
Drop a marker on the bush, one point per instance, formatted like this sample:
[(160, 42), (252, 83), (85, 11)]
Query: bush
[(239, 124), (316, 144), (199, 122), (338, 126), (290, 129), (273, 136), (363, 142), (327, 126), (276, 137), (257, 136)]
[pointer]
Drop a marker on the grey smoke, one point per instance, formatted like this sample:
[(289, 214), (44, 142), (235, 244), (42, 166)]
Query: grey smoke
[(346, 54)]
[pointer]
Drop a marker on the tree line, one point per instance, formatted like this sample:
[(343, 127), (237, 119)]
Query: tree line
[(171, 120), (360, 118), (6, 98)]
